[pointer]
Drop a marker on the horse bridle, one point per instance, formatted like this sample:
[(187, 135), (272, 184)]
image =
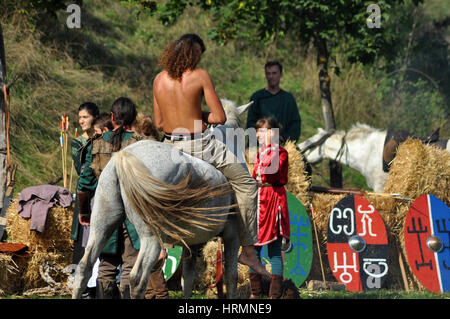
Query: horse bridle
[(322, 140), (317, 143)]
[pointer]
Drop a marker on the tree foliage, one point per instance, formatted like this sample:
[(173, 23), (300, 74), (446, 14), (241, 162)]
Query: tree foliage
[(340, 21)]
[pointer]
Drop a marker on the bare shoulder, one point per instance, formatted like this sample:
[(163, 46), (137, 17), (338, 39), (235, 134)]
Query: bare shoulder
[(201, 75), (198, 72), (159, 76)]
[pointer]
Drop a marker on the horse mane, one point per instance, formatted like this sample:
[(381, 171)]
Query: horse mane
[(360, 130), (163, 206)]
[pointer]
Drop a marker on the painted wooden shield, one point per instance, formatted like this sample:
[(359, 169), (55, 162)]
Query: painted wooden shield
[(172, 261), (298, 259), (427, 242), (357, 244)]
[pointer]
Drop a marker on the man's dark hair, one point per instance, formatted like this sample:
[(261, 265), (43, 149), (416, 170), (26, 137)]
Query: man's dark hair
[(181, 55), (272, 63)]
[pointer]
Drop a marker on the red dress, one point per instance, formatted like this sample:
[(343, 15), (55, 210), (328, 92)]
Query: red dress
[(273, 213)]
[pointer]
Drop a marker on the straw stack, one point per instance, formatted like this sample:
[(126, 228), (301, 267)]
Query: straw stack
[(49, 252), (12, 267), (208, 276), (298, 180)]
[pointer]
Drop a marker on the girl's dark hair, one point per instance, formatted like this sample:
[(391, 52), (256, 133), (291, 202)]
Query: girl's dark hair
[(124, 111), (103, 120), (270, 123), (181, 55), (91, 108)]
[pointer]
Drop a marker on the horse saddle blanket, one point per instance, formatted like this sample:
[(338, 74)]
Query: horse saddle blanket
[(35, 202), (395, 138)]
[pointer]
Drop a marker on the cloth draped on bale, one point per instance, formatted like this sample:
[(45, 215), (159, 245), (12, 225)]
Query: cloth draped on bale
[(35, 202)]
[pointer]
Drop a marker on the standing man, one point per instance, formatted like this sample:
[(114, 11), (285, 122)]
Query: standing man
[(273, 101), (177, 95)]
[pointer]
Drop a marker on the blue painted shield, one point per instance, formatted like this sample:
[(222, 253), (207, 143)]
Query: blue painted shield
[(427, 242)]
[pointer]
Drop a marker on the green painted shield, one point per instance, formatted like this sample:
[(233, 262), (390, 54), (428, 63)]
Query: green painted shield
[(298, 259), (172, 261)]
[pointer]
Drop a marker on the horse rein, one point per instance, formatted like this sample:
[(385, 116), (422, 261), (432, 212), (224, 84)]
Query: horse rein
[(341, 149), (322, 140)]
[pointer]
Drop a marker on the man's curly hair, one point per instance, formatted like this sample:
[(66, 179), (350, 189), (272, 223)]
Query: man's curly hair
[(181, 55)]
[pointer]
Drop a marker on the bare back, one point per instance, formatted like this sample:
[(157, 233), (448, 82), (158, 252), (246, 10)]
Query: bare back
[(177, 104)]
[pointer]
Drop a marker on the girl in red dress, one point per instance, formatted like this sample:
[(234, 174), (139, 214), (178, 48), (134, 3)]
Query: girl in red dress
[(271, 172)]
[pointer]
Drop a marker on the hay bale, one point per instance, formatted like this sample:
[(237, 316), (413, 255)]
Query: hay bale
[(417, 169), (50, 251), (12, 267), (208, 277), (298, 180)]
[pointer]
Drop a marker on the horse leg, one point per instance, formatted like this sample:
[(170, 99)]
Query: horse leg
[(148, 256), (189, 270), (231, 251)]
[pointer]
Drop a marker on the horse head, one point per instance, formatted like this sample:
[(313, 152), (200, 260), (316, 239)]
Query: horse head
[(233, 112), (312, 147)]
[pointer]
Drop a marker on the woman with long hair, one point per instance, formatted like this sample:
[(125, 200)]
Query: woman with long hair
[(88, 112)]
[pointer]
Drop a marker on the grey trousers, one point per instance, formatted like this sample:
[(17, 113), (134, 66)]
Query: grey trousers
[(244, 186)]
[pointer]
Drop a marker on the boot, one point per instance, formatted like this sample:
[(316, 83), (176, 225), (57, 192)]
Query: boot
[(255, 286), (107, 290), (157, 286), (275, 287)]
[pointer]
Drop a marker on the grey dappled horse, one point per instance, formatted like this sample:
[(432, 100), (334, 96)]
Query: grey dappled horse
[(136, 181)]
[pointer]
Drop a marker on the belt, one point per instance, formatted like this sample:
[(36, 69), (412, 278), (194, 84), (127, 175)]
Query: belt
[(270, 185), (184, 136)]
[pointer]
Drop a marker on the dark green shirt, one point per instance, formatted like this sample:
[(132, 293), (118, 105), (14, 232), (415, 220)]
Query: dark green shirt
[(76, 146), (281, 106)]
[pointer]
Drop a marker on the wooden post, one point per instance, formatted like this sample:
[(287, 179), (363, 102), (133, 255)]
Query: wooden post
[(3, 107)]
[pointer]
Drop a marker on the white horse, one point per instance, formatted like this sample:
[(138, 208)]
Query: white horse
[(169, 196), (361, 148)]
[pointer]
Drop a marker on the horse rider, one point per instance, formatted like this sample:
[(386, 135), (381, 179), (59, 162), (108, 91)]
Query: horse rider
[(177, 96)]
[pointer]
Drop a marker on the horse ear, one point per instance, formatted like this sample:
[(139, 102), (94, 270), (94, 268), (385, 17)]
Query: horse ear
[(241, 109)]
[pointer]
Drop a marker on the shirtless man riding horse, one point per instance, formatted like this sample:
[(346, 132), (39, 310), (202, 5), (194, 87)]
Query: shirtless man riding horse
[(178, 91)]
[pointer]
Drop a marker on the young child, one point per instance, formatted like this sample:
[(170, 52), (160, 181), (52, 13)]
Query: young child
[(144, 125), (103, 124), (271, 172)]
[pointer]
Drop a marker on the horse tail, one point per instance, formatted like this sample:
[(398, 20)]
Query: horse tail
[(169, 208)]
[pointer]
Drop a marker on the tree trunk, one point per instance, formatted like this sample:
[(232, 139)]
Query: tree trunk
[(327, 106)]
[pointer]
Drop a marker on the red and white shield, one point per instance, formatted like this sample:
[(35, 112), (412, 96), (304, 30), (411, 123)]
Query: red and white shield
[(357, 244)]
